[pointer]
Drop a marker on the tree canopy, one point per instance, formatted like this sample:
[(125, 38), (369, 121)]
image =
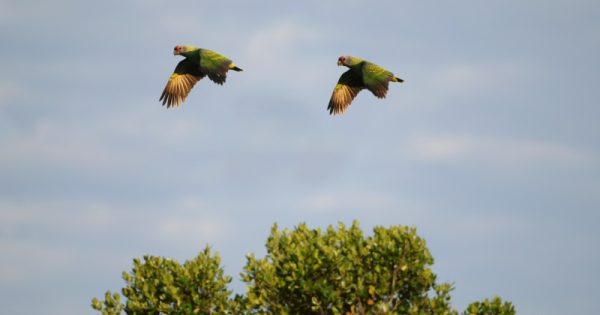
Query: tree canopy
[(305, 271)]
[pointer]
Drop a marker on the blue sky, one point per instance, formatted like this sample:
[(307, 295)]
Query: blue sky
[(491, 147)]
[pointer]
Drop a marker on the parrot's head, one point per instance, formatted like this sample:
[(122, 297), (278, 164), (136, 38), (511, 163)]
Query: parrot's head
[(182, 49), (348, 61), (178, 50)]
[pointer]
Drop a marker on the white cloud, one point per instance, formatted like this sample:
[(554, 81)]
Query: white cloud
[(175, 129), (50, 238), (10, 92), (205, 229), (22, 12), (354, 199), (186, 216), (44, 239), (23, 260), (463, 148), (192, 219), (57, 216), (98, 143), (180, 23), (280, 51), (474, 78), (51, 142), (272, 42), (342, 201), (482, 225), (441, 147)]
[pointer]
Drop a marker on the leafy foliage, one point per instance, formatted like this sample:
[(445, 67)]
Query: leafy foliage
[(341, 272), (110, 306), (160, 285), (306, 271), (493, 307)]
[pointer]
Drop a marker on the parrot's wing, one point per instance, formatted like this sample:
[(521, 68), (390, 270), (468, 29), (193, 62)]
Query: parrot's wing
[(376, 79), (180, 83), (214, 65), (344, 92)]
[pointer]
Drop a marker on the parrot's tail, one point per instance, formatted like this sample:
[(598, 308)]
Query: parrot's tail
[(396, 79), (234, 67)]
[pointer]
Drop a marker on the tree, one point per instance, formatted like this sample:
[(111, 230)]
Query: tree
[(110, 306), (493, 307), (341, 272), (160, 285), (305, 271)]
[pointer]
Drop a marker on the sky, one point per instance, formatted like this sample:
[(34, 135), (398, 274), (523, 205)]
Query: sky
[(490, 148)]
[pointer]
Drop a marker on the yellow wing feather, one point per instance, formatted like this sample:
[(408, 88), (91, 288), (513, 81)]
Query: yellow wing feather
[(177, 89), (348, 86)]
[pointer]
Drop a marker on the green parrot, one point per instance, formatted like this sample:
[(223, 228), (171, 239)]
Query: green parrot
[(197, 64), (362, 74)]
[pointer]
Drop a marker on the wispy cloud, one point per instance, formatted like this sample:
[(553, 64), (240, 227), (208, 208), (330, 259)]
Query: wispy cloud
[(50, 236), (505, 151), (20, 12), (179, 23), (40, 239), (346, 200), (192, 218), (472, 78), (11, 92), (206, 229), (52, 142), (282, 50), (23, 261)]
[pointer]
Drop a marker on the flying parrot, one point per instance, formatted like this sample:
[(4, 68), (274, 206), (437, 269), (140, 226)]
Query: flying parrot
[(197, 64), (362, 74)]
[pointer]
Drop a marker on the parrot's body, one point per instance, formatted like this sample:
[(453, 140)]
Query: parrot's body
[(362, 75), (197, 64)]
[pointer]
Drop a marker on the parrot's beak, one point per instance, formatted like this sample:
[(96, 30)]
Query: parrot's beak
[(340, 63)]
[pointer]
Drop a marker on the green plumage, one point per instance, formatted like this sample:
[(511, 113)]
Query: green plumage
[(362, 74), (197, 64)]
